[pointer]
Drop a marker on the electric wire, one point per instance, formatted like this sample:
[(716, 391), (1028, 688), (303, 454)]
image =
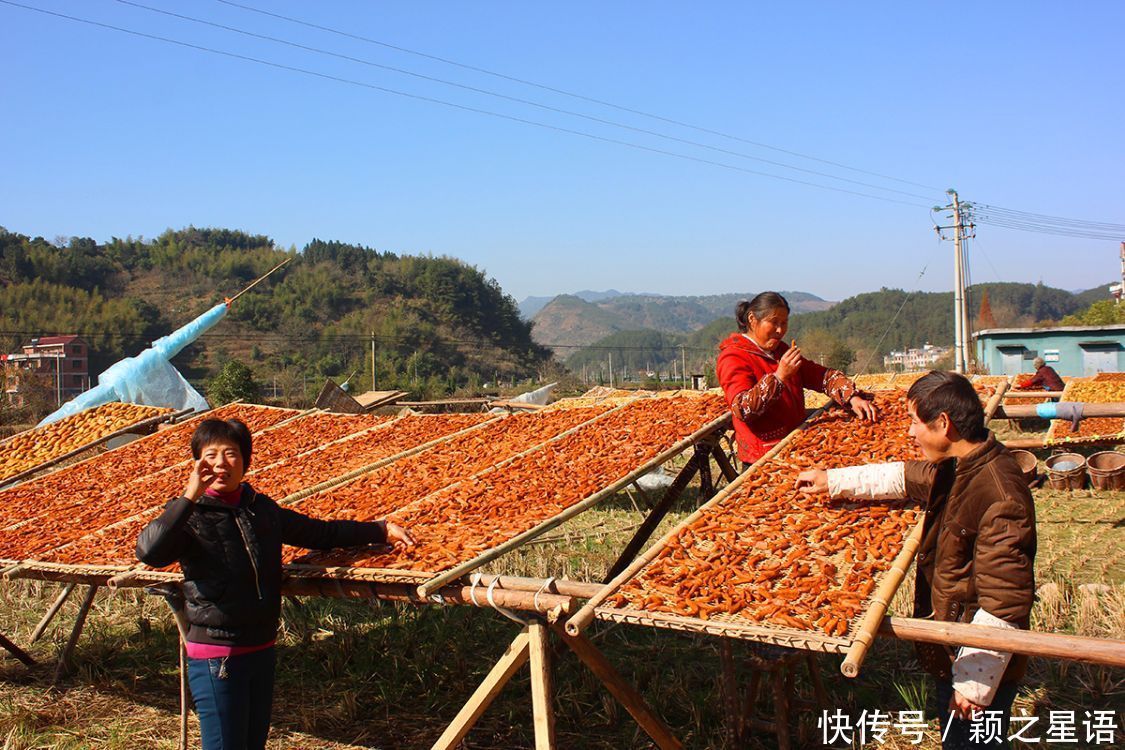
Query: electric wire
[(453, 105), (518, 100), (571, 94)]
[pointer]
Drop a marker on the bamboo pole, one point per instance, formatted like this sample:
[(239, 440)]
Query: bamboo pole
[(52, 611), (16, 651), (543, 715), (1033, 394), (620, 689), (17, 478), (536, 600), (257, 281), (994, 402), (1116, 409), (575, 624), (79, 624), (1110, 652), (869, 625), (502, 672), (561, 518)]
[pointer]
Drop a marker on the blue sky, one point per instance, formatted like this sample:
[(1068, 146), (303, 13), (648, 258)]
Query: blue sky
[(1018, 105)]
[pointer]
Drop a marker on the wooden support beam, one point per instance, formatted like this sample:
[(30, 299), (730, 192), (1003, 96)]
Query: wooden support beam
[(16, 651), (542, 711), (514, 657), (625, 693), (75, 633), (724, 463), (52, 611), (655, 516), (1051, 645), (1030, 411)]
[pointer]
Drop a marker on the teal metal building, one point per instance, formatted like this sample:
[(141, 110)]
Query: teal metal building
[(1070, 350)]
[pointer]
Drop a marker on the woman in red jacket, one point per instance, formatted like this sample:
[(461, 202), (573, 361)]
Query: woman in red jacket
[(764, 379)]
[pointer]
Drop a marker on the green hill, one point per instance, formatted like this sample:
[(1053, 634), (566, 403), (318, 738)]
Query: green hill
[(438, 323), (855, 331)]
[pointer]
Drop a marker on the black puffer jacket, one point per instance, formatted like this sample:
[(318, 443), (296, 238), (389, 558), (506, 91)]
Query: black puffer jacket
[(231, 559)]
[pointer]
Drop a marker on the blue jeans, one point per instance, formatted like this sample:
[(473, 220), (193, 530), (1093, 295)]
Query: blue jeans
[(233, 697), (959, 736)]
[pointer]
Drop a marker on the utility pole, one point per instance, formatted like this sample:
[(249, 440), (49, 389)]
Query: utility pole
[(611, 369), (963, 228), (372, 360), (683, 361)]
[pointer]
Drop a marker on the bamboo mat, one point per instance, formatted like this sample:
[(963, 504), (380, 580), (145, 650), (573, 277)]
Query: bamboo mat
[(1106, 387), (769, 564)]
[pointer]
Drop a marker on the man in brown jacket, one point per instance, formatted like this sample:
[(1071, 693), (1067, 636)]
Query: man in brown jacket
[(975, 563)]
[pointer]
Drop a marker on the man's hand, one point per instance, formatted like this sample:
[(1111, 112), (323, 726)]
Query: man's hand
[(813, 481), (202, 476), (962, 707), (789, 364), (398, 537), (863, 408)]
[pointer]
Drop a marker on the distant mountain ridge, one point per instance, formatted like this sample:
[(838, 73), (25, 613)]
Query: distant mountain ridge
[(575, 320)]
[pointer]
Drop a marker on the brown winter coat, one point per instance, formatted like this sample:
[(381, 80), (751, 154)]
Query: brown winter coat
[(978, 545)]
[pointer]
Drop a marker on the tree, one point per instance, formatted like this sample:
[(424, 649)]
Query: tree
[(234, 382), (985, 318)]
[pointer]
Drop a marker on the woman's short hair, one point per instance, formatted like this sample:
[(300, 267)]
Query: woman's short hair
[(939, 392), (211, 431), (1037, 362), (761, 307)]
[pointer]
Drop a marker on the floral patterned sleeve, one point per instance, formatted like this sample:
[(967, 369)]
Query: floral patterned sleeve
[(753, 402), (839, 387)]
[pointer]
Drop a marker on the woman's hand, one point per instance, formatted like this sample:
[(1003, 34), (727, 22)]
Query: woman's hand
[(864, 409), (963, 708), (202, 476), (398, 537), (789, 364)]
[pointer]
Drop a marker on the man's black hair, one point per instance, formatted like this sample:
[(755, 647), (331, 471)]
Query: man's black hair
[(939, 392), (212, 431)]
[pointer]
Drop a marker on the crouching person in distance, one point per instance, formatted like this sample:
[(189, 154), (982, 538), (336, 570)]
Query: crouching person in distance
[(227, 539), (975, 563)]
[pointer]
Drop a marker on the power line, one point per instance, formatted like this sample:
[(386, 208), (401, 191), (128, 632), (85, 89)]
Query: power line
[(1047, 219), (893, 319), (518, 100), (571, 94), (463, 107)]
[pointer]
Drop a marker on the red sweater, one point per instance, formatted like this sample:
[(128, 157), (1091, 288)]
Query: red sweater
[(765, 408)]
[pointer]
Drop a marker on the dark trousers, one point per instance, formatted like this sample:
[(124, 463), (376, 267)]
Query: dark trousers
[(233, 697), (960, 731)]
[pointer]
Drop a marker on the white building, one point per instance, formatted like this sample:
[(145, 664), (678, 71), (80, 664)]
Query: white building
[(915, 359)]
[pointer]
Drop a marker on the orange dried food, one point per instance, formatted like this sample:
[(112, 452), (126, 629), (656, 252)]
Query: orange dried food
[(291, 475), (1097, 391), (478, 513), (36, 446), (307, 432), (767, 554), (395, 486)]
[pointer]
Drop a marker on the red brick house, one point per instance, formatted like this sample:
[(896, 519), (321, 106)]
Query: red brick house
[(60, 362)]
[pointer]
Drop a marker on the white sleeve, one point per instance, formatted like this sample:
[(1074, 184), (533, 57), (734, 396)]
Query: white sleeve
[(868, 482), (976, 671)]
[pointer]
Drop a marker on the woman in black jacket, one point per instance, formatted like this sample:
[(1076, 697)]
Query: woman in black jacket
[(227, 539)]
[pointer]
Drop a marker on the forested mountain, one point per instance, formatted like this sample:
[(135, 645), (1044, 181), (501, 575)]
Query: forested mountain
[(438, 323), (569, 321), (853, 332)]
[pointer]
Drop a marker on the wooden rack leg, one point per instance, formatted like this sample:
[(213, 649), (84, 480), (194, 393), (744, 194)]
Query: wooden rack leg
[(514, 658), (781, 708), (541, 692), (724, 463), (679, 484), (183, 697), (620, 689), (52, 611), (16, 651), (731, 706), (79, 624), (706, 481), (818, 685)]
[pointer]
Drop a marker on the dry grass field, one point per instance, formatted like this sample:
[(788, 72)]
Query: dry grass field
[(354, 675)]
